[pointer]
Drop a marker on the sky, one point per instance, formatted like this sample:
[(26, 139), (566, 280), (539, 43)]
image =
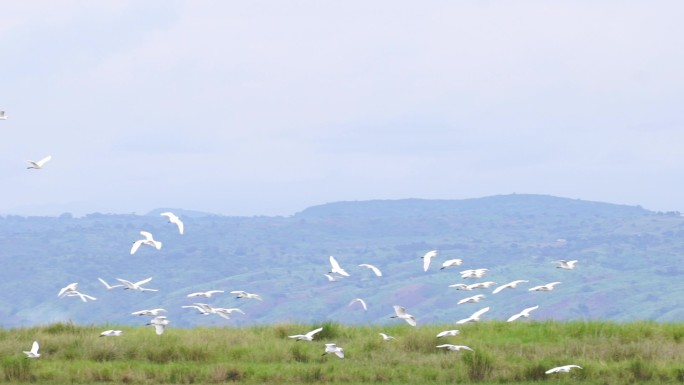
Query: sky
[(247, 108)]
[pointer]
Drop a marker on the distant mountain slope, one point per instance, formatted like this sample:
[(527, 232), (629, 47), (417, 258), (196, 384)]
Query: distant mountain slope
[(622, 252)]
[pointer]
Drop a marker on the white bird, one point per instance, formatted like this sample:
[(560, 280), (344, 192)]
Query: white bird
[(454, 347), (205, 294), (400, 312), (33, 353), (567, 265), (482, 285), (330, 278), (159, 324), (150, 312), (111, 333), (174, 219), (510, 285), (147, 241), (475, 317), (547, 287), (473, 273), (448, 333), (39, 164), (451, 263), (375, 269), (108, 286), (3, 115), (359, 300), (473, 299), (306, 337), (136, 285), (70, 287), (244, 294), (461, 286), (335, 268), (564, 369), (203, 308), (333, 348), (525, 313), (427, 258), (84, 297), (386, 337)]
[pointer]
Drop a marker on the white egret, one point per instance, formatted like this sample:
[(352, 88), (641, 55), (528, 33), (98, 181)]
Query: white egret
[(306, 337), (400, 312), (150, 312), (451, 262), (359, 300), (111, 333), (547, 287), (39, 164), (454, 347), (244, 294), (427, 258), (149, 240), (335, 267), (474, 317), (482, 285), (174, 219), (448, 333), (525, 313), (70, 287), (159, 323), (205, 294), (33, 353), (375, 269), (386, 337), (473, 299), (136, 285), (510, 285), (567, 265), (333, 348), (562, 369), (473, 273), (461, 286), (84, 297), (330, 278)]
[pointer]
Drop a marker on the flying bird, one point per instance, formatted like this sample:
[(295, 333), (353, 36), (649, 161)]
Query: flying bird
[(244, 294), (205, 294), (39, 164), (400, 312), (563, 369), (33, 353), (108, 286), (473, 299), (525, 313), (333, 348), (359, 300), (427, 258), (159, 323), (174, 219), (567, 265), (450, 263), (473, 273), (547, 287), (386, 337), (306, 337), (111, 333), (375, 269), (475, 317), (330, 278), (510, 285), (149, 240), (335, 268), (83, 297), (448, 333), (454, 347), (136, 285), (481, 285), (70, 287), (150, 312)]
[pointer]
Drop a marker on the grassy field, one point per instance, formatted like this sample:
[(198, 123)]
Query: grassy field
[(512, 353)]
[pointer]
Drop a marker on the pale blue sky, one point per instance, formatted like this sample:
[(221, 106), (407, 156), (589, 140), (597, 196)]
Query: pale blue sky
[(269, 107)]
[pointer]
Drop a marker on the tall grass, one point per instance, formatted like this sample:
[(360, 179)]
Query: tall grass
[(520, 353)]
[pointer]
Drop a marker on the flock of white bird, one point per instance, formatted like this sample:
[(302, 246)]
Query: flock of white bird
[(159, 322)]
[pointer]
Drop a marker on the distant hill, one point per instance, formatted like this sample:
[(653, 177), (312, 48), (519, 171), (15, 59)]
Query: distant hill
[(626, 254)]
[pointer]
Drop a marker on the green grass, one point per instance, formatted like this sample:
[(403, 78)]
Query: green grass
[(518, 353)]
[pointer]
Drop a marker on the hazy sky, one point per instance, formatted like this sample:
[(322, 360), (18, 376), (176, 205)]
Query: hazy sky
[(269, 107)]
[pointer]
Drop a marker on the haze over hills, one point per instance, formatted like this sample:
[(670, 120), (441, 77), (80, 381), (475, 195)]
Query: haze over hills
[(629, 262)]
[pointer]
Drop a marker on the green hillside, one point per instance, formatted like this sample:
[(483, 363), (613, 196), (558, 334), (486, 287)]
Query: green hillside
[(626, 254)]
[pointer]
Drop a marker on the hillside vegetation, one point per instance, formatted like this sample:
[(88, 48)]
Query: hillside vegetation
[(513, 353), (626, 254)]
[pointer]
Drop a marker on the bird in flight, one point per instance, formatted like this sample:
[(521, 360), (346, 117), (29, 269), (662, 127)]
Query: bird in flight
[(454, 347), (427, 258), (474, 317), (333, 348), (400, 312), (335, 267), (149, 240), (547, 287), (562, 369), (567, 265), (39, 164), (306, 337), (510, 285), (174, 219), (375, 269), (359, 300), (33, 353), (205, 294), (525, 313)]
